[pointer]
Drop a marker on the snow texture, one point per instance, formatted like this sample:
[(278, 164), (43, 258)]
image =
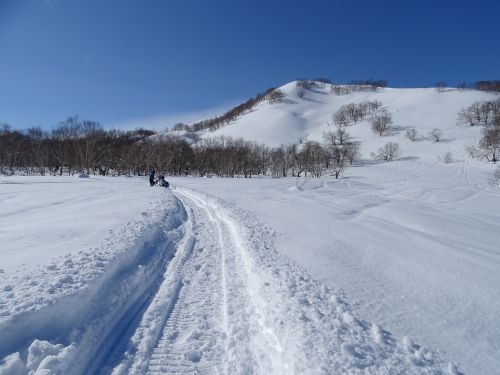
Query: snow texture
[(208, 294)]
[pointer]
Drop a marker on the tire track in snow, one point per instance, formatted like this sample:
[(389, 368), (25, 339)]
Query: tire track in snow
[(246, 307), (217, 322), (192, 339), (259, 314), (147, 334)]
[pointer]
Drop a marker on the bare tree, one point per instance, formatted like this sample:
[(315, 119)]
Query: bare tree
[(447, 157), (275, 96), (354, 112), (39, 149), (381, 122), (353, 152), (466, 116), (440, 86), (490, 143), (387, 152), (340, 118), (486, 109), (374, 105), (436, 135), (472, 149), (475, 110), (341, 151), (411, 134)]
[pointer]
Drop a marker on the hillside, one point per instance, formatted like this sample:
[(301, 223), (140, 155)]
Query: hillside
[(297, 119), (414, 242)]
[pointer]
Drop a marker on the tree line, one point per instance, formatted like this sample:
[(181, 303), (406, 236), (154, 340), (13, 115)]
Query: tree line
[(216, 122), (76, 146), (491, 85)]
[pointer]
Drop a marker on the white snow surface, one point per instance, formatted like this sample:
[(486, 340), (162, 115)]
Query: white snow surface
[(189, 284), (391, 269)]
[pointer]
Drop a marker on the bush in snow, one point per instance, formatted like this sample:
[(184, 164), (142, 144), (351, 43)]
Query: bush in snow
[(275, 96), (411, 134), (301, 93), (381, 122), (440, 86), (305, 84), (472, 149), (387, 152), (436, 135), (490, 143), (447, 157)]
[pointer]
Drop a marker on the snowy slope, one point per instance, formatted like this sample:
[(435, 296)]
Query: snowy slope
[(300, 119)]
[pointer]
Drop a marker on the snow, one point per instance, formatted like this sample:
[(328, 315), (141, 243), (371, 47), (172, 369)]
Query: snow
[(392, 268), (39, 217), (414, 245), (190, 284)]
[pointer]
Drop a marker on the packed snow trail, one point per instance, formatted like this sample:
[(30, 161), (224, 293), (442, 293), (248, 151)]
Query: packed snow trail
[(232, 305), (220, 300)]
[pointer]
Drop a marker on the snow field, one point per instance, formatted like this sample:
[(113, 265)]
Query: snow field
[(202, 289), (112, 284), (242, 309), (413, 243)]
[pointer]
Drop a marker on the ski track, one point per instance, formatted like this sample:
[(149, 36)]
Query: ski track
[(225, 302)]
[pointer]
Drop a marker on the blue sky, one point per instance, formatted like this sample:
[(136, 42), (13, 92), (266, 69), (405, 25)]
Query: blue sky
[(153, 63)]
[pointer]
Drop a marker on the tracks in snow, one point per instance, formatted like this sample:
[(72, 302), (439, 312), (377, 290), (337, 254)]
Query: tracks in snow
[(227, 303), (231, 305), (214, 321)]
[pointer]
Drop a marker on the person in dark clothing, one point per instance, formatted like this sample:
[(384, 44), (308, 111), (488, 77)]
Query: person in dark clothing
[(152, 177)]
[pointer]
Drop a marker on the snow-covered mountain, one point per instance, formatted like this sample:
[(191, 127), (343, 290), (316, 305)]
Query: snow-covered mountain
[(304, 114)]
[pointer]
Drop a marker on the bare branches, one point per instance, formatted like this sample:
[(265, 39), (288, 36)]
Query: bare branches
[(480, 113), (381, 122), (411, 134), (436, 135), (275, 96), (387, 152), (355, 112), (440, 86)]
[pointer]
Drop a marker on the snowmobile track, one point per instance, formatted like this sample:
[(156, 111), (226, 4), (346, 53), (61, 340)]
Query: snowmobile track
[(230, 304), (226, 302)]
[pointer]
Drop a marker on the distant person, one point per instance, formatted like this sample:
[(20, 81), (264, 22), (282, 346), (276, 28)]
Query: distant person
[(152, 177)]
